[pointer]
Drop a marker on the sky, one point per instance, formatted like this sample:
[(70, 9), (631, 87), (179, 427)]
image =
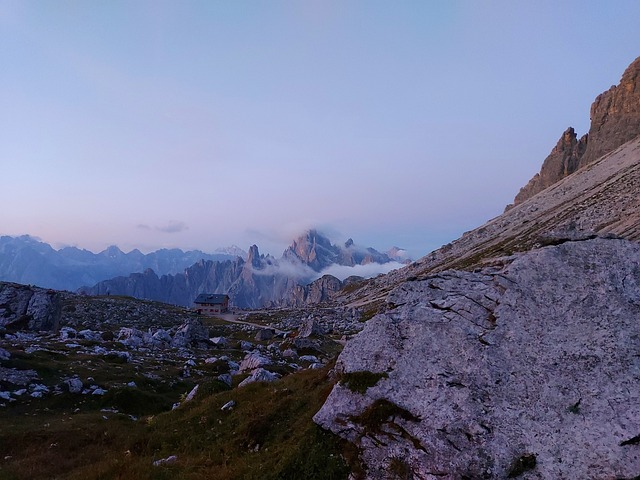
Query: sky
[(201, 124)]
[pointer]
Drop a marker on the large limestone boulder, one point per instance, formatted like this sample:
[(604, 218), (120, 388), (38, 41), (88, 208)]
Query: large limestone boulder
[(529, 370), (32, 308)]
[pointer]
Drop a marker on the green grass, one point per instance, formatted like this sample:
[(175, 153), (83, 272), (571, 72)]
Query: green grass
[(268, 435)]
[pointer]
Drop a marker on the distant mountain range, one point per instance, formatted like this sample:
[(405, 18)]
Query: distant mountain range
[(27, 260), (260, 280)]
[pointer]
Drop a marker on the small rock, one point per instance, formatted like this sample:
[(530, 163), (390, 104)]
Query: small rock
[(310, 328), (67, 333), (166, 461), (90, 335), (290, 353), (192, 394), (309, 358), (74, 385), (219, 341), (259, 375), (254, 360), (264, 334), (228, 406), (99, 391), (226, 378), (4, 354)]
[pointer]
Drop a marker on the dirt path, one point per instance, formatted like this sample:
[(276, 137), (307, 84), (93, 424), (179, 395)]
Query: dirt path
[(232, 318)]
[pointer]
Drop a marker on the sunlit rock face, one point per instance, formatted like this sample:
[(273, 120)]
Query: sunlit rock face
[(528, 369), (615, 120)]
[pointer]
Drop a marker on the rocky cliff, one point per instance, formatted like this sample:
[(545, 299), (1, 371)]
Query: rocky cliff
[(562, 161), (615, 116), (615, 120), (525, 370)]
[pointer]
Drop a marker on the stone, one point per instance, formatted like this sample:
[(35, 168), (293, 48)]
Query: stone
[(219, 342), (161, 336), (74, 385), (264, 334), (170, 460), (228, 406), (305, 344), (310, 328), (309, 358), (259, 375), (254, 360), (68, 332), (90, 335), (192, 394), (4, 354), (17, 377), (190, 332), (290, 353), (226, 378), (476, 374), (131, 337)]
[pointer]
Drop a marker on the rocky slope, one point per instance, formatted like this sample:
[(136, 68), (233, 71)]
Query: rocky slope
[(599, 199), (28, 261), (615, 120), (526, 370)]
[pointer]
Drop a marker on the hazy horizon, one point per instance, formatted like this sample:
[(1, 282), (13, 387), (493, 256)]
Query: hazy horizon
[(199, 125)]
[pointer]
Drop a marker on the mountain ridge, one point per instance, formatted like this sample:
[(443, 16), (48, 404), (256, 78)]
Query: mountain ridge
[(615, 120), (27, 260), (259, 281)]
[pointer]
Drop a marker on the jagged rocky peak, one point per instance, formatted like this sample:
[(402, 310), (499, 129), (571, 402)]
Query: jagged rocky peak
[(112, 251), (615, 115), (615, 120), (253, 257), (562, 161), (313, 249)]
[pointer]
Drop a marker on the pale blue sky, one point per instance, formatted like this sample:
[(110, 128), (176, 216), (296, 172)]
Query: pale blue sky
[(202, 124)]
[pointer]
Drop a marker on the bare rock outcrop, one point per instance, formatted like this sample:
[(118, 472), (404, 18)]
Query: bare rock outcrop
[(33, 308), (615, 120), (562, 161), (529, 370), (615, 116), (316, 292)]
